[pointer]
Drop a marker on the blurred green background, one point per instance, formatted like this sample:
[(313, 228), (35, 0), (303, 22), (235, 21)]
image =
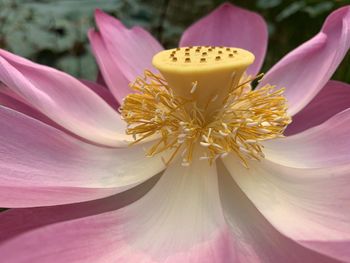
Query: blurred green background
[(54, 32)]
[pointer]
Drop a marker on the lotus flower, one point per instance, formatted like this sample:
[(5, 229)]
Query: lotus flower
[(81, 194)]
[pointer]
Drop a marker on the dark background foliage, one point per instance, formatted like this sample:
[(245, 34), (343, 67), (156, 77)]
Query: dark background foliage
[(54, 32)]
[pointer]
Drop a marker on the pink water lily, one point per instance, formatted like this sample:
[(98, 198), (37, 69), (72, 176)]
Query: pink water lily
[(79, 194)]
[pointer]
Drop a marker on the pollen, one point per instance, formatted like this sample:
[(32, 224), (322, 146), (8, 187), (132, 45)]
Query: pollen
[(204, 101)]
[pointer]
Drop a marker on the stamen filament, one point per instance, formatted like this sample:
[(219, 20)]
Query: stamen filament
[(246, 118)]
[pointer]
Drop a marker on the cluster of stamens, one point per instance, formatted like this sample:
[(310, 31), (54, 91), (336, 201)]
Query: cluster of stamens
[(246, 118)]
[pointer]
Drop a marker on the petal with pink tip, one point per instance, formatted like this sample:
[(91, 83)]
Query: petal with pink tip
[(15, 221), (322, 146), (174, 222), (131, 49), (117, 83), (230, 26), (257, 239), (308, 205), (305, 70), (40, 165), (332, 99), (179, 220), (63, 99), (11, 100)]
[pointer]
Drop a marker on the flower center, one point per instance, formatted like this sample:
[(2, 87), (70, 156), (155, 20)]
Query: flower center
[(203, 98)]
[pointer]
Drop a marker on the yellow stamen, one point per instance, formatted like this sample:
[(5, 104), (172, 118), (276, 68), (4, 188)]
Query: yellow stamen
[(209, 104)]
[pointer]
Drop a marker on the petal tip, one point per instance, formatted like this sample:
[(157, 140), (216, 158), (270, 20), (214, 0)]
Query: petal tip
[(98, 12), (226, 5), (336, 16), (102, 19)]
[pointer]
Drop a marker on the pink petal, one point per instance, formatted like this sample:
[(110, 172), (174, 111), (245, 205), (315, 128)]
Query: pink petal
[(103, 92), (322, 146), (257, 239), (40, 165), (11, 102), (99, 79), (230, 26), (332, 99), (18, 220), (117, 83), (131, 49), (63, 99), (305, 70), (179, 220), (310, 206), (8, 92), (105, 235)]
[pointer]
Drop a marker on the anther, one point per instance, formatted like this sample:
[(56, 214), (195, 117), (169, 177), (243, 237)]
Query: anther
[(174, 59), (217, 58), (187, 60), (220, 52), (203, 60), (194, 87), (214, 98), (228, 49), (230, 55), (204, 53), (187, 54)]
